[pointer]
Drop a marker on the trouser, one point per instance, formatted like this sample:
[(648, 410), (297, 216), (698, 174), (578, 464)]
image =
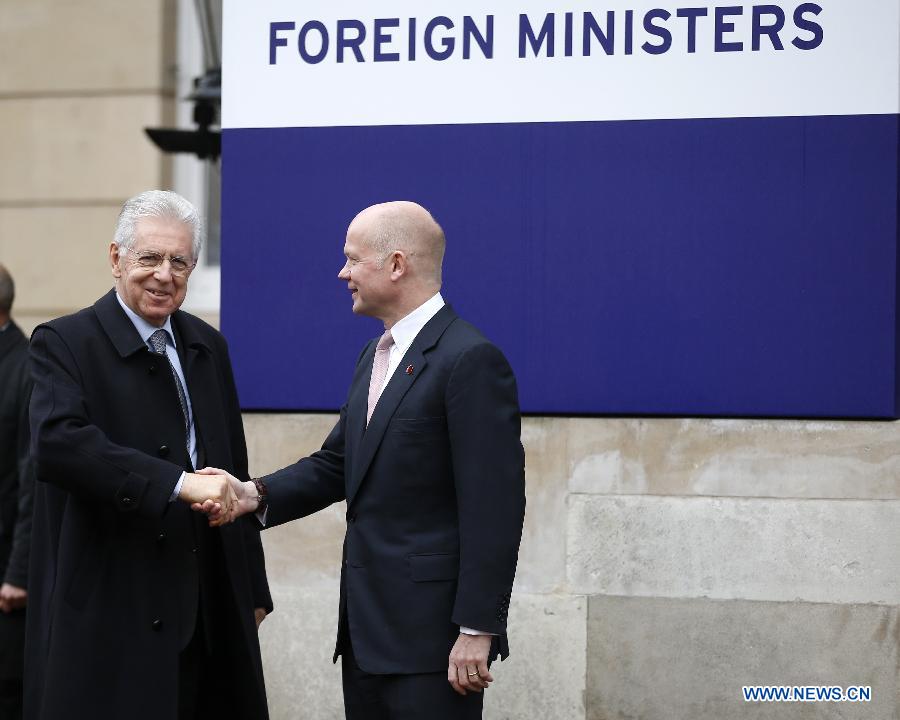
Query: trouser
[(422, 696), (215, 665), (12, 658)]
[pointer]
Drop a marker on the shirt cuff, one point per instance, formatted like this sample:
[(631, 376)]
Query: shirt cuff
[(177, 488), (470, 631)]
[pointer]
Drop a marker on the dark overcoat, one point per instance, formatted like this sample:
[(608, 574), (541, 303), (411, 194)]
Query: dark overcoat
[(435, 490), (119, 574), (16, 493), (16, 482)]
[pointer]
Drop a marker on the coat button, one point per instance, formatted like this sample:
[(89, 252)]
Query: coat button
[(151, 369), (127, 501), (163, 451), (195, 550), (156, 625), (160, 537)]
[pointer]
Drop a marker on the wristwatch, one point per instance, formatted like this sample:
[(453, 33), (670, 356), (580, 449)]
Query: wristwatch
[(262, 495)]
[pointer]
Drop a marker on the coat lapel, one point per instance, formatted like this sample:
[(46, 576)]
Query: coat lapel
[(200, 380), (396, 389), (190, 345), (117, 326)]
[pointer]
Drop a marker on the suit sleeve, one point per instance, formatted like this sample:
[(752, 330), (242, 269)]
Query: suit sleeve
[(314, 482), (256, 560), (71, 452), (484, 426), (17, 567), (310, 484)]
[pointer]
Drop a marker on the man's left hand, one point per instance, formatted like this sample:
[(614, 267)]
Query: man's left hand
[(467, 670), (12, 597)]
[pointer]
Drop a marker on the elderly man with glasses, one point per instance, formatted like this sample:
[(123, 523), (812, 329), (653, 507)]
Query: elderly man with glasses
[(137, 608)]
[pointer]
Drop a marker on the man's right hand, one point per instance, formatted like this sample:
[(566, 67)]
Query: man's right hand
[(219, 513), (199, 488), (12, 597)]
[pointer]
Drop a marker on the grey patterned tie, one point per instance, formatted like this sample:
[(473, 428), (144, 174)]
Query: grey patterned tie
[(158, 342)]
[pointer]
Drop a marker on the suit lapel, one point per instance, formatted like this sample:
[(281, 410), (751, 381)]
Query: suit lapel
[(357, 403), (396, 389)]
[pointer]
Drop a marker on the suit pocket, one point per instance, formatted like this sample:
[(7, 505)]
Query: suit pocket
[(418, 425), (433, 567)]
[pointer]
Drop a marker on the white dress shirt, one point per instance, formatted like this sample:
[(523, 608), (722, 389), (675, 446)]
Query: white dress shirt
[(145, 330), (406, 330)]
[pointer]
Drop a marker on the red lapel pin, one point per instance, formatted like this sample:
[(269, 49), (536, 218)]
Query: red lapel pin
[(409, 369)]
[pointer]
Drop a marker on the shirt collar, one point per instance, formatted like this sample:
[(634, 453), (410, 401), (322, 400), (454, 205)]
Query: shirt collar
[(404, 331), (145, 329), (6, 327)]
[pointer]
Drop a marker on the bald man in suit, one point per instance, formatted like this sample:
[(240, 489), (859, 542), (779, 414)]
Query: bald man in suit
[(427, 454)]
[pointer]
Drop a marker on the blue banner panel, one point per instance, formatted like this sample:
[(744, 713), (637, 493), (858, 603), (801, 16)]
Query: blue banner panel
[(727, 267)]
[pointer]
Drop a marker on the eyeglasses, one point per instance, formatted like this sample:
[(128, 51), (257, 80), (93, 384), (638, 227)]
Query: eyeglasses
[(149, 260)]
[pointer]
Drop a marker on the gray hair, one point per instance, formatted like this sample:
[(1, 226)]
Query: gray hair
[(7, 291), (158, 204)]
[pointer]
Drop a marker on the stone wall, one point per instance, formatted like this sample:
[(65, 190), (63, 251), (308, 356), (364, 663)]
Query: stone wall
[(665, 563), (78, 83)]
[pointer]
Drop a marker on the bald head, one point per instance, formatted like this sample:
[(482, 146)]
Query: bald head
[(394, 252), (408, 227), (7, 294)]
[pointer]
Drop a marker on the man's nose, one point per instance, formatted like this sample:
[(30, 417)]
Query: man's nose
[(344, 273), (163, 271)]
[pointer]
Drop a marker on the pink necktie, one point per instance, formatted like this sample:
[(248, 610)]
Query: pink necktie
[(379, 371)]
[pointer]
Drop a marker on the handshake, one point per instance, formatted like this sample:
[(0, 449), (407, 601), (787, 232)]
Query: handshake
[(218, 495)]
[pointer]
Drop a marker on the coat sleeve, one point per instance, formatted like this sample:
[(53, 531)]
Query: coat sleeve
[(484, 425), (256, 561), (17, 567), (71, 452)]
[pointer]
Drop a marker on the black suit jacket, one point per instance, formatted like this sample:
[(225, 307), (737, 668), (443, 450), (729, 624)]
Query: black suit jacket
[(435, 491), (118, 573), (16, 479)]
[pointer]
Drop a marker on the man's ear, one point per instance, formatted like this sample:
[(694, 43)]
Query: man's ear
[(114, 258), (399, 264)]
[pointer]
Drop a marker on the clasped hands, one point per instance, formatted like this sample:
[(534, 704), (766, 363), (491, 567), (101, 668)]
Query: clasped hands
[(219, 495)]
